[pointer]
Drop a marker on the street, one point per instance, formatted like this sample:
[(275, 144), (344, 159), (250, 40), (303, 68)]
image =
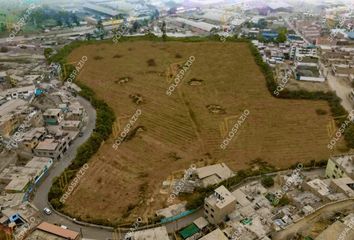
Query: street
[(41, 195)]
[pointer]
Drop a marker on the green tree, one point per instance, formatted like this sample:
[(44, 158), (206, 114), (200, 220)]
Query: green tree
[(4, 49), (48, 52), (262, 23), (267, 181), (282, 35), (163, 29)]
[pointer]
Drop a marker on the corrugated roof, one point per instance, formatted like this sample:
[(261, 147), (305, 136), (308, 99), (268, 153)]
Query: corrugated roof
[(189, 231)]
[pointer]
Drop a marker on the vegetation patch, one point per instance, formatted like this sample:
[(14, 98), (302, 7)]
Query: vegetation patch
[(276, 130)]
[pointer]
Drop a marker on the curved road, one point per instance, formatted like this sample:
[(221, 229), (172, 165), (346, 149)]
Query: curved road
[(41, 195), (306, 221)]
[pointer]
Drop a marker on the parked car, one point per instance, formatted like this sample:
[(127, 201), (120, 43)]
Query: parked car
[(81, 134), (63, 226), (47, 211)]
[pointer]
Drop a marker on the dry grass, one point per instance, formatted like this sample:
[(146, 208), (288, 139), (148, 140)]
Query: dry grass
[(281, 132)]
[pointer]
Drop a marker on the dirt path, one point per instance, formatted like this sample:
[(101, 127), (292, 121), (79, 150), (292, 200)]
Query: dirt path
[(341, 88)]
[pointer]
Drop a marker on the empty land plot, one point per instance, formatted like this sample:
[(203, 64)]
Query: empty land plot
[(180, 129)]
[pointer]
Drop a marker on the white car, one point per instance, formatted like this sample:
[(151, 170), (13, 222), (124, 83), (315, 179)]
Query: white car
[(47, 211), (63, 226)]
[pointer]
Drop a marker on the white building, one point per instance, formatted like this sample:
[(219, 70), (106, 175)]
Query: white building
[(219, 205)]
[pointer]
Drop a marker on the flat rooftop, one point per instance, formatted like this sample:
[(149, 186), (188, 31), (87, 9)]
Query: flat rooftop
[(221, 169), (201, 25), (12, 105), (215, 235), (221, 197), (47, 144), (346, 163), (345, 184), (52, 112), (101, 9), (159, 233), (39, 162), (320, 186), (18, 184)]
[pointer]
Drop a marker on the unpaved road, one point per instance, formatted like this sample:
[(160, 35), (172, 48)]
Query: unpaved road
[(341, 88), (304, 223)]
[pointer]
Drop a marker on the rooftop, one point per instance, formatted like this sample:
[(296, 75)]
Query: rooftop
[(221, 197), (201, 25), (52, 112), (241, 197), (346, 163), (18, 184), (320, 186), (201, 222), (345, 184), (221, 170), (48, 144), (215, 235), (11, 106), (98, 8), (33, 133), (39, 162), (159, 233), (58, 231)]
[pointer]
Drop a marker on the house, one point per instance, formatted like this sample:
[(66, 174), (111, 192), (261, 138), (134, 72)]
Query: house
[(201, 223), (344, 185), (31, 138), (318, 187), (11, 115), (217, 234), (158, 233), (41, 164), (342, 71), (3, 76), (71, 125), (17, 179), (52, 148), (21, 92), (340, 167), (213, 174), (49, 231), (53, 116), (218, 205)]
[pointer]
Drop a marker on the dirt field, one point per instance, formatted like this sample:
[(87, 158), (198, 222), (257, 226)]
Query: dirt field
[(180, 129)]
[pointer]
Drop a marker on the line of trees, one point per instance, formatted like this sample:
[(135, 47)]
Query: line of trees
[(103, 129)]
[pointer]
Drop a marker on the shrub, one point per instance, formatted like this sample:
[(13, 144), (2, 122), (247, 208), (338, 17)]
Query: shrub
[(196, 201), (97, 57), (4, 49), (151, 62), (267, 181), (48, 52), (321, 111)]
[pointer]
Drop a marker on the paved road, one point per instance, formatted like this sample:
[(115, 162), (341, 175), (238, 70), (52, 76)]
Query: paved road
[(41, 194), (295, 30)]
